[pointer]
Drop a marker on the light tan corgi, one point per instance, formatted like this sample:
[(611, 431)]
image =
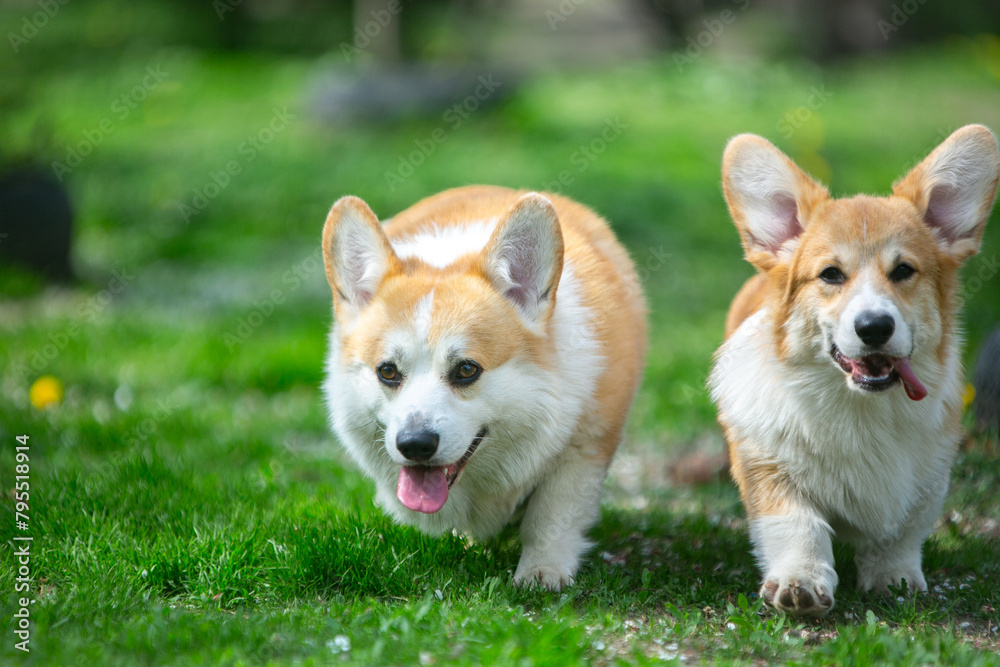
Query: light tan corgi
[(486, 348), (839, 386)]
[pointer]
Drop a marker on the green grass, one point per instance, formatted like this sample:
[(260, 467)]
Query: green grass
[(188, 503)]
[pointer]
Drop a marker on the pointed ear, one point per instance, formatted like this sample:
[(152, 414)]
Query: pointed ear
[(356, 253), (524, 257), (769, 198), (954, 188)]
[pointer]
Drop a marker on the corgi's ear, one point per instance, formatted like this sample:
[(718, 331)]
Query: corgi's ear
[(769, 198), (524, 257), (356, 253), (954, 188)]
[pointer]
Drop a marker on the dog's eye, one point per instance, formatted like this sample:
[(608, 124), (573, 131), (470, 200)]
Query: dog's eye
[(466, 372), (388, 374), (832, 276), (901, 273)]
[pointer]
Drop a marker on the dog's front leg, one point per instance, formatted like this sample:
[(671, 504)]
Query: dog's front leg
[(563, 507), (882, 565), (889, 562), (795, 552)]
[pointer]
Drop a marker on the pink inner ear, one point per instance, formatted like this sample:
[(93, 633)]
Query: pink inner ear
[(358, 270), (943, 213), (524, 270), (785, 214)]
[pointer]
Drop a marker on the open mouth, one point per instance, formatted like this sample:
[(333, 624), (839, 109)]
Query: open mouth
[(425, 488), (878, 372)]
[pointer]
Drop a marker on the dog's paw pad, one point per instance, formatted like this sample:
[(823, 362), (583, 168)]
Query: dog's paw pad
[(799, 596)]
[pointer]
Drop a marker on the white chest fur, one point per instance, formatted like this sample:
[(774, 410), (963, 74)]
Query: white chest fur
[(866, 462)]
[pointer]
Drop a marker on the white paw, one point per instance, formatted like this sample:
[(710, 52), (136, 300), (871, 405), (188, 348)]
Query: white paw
[(879, 569), (551, 576), (879, 580), (798, 595)]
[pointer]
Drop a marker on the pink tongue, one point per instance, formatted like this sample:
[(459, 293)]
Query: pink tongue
[(914, 388), (423, 489)]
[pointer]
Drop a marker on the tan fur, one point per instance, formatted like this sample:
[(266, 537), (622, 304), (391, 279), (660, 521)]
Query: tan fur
[(764, 487), (748, 301)]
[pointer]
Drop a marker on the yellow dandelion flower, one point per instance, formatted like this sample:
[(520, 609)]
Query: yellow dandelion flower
[(968, 395), (46, 391)]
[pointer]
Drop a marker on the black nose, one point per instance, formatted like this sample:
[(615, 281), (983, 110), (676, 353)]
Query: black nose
[(417, 445), (874, 329)]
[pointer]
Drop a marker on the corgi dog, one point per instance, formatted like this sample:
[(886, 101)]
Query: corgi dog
[(839, 385), (486, 348)]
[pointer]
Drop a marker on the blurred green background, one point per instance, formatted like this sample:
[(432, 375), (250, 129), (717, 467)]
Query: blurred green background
[(199, 146)]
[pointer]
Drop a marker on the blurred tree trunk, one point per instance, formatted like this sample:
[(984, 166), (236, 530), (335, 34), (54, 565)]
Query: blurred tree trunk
[(378, 20)]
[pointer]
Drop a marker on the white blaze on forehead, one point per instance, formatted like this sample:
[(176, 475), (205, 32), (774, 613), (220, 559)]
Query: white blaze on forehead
[(407, 345), (422, 316), (442, 246)]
